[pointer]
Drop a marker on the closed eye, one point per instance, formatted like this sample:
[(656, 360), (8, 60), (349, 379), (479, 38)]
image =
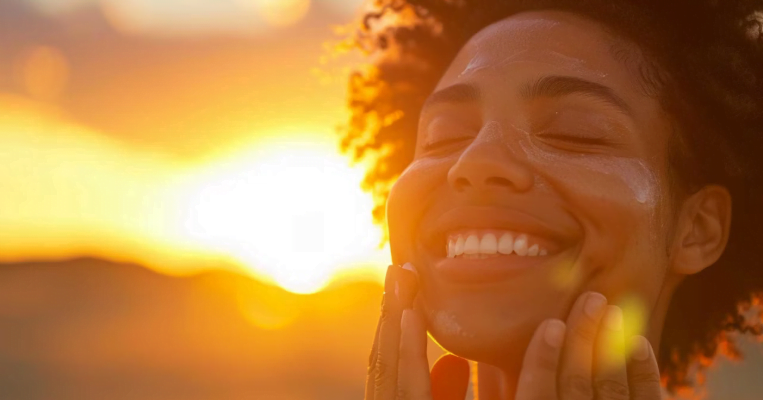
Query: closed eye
[(446, 142), (592, 140)]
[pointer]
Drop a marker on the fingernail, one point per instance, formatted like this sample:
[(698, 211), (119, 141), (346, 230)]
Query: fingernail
[(614, 318), (401, 285), (554, 334), (409, 267), (640, 348), (594, 304)]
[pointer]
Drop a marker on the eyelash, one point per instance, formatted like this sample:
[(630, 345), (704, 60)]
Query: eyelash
[(445, 142), (587, 140), (573, 139)]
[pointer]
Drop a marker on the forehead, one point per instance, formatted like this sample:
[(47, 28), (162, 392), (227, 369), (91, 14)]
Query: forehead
[(554, 42)]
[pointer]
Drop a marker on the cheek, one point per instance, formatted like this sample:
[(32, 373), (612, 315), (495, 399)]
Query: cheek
[(608, 190), (602, 189), (408, 198), (618, 204), (621, 206)]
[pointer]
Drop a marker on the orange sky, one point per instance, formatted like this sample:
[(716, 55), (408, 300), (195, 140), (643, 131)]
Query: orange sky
[(186, 141), (134, 132)]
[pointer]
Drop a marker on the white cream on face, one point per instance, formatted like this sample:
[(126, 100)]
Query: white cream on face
[(485, 62), (445, 323), (490, 57), (634, 173)]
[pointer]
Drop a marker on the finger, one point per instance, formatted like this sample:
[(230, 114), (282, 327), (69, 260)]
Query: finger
[(450, 378), (413, 368), (537, 380), (372, 359), (400, 287), (575, 375), (643, 372), (371, 370), (611, 378)]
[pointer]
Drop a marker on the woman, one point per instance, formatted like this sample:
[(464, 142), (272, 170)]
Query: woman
[(570, 169)]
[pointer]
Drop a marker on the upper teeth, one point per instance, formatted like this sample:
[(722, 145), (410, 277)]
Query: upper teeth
[(474, 246)]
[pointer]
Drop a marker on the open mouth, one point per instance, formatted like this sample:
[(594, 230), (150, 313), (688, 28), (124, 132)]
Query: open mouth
[(486, 244), (480, 244)]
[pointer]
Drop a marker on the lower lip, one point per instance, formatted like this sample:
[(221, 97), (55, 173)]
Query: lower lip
[(486, 270)]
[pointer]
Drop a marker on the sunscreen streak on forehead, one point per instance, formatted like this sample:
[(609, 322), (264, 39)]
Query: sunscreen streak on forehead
[(516, 39), (482, 61)]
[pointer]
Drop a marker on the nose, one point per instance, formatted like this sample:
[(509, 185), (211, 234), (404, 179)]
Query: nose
[(488, 163)]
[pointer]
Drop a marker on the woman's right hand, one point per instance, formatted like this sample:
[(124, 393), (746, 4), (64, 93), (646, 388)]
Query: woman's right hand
[(398, 368)]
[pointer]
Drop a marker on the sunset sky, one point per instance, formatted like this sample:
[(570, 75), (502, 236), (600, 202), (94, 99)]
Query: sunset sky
[(182, 140), (197, 138)]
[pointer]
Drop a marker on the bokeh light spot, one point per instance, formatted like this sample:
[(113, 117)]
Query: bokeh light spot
[(634, 317), (279, 13), (44, 72)]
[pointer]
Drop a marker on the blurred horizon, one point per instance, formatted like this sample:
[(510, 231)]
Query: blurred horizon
[(135, 132), (176, 218)]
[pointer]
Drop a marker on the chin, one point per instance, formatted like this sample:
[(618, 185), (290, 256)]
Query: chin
[(480, 337), (491, 323)]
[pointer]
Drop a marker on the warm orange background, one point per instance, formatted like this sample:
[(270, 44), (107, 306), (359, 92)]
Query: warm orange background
[(176, 221)]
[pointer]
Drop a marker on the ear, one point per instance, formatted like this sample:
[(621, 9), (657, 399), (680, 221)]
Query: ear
[(702, 231)]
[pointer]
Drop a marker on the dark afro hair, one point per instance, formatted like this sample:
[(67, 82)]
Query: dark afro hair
[(704, 63)]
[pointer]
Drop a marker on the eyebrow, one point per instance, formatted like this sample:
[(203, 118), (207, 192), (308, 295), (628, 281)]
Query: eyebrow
[(456, 94), (557, 86)]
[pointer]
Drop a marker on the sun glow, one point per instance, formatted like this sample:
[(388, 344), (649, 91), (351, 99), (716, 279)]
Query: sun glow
[(279, 12), (293, 212), (288, 210)]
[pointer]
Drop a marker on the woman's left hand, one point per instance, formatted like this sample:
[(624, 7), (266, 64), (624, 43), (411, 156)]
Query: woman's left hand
[(586, 358)]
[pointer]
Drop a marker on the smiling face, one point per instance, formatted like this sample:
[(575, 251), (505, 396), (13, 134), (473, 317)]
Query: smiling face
[(541, 172)]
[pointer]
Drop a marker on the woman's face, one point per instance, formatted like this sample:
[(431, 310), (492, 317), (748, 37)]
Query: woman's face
[(541, 172)]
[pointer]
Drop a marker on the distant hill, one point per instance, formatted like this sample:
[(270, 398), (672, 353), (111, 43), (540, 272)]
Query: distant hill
[(91, 329)]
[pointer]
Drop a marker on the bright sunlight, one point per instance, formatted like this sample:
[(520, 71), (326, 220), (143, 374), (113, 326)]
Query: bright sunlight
[(288, 210), (291, 211)]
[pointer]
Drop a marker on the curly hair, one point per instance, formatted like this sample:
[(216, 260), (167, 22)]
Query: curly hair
[(704, 62)]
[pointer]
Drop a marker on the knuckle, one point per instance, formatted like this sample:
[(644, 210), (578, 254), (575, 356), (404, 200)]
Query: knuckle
[(390, 315), (408, 353), (608, 389), (384, 315), (383, 371), (371, 360), (585, 331), (645, 378), (578, 387), (546, 362)]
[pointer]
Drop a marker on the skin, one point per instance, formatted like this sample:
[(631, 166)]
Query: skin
[(595, 171)]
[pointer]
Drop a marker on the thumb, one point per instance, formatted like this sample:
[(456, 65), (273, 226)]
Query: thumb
[(450, 378)]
